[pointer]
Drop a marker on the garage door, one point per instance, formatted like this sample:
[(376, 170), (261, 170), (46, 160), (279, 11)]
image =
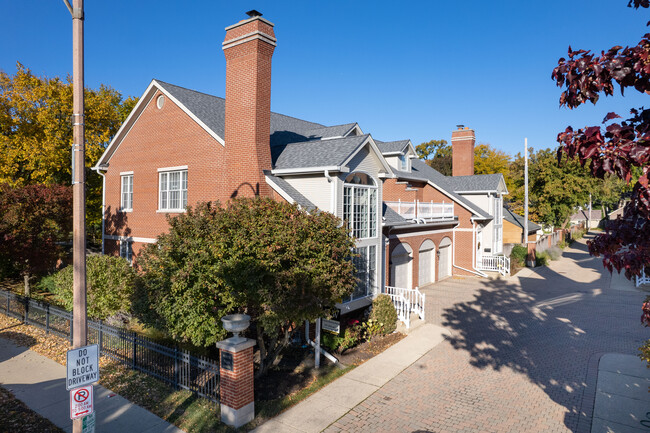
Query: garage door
[(401, 269), (426, 263), (444, 267)]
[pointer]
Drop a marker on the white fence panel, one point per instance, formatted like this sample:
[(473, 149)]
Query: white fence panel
[(415, 298)]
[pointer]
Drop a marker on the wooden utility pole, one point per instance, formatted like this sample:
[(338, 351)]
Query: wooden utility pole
[(79, 320)]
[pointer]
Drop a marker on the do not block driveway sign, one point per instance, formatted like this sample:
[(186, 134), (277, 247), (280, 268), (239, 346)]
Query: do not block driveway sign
[(81, 402), (83, 366)]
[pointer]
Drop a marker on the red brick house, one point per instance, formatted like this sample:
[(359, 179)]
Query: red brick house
[(179, 147)]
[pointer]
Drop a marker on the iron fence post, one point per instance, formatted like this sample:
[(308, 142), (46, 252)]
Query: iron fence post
[(176, 378), (47, 319), (134, 351), (101, 337)]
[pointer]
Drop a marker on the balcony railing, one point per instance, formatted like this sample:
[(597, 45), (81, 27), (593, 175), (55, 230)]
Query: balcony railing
[(418, 209)]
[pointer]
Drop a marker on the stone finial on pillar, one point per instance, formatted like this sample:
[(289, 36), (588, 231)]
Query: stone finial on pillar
[(236, 371)]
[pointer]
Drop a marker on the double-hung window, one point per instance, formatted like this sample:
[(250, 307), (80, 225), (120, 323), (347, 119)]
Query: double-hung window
[(173, 190), (126, 200), (360, 206), (126, 250)]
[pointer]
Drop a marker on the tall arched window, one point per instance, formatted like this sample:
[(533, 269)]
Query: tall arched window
[(360, 205)]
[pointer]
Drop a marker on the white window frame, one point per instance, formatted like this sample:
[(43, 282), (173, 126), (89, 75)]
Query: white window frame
[(126, 250), (126, 197), (166, 193), (361, 217), (404, 162), (366, 264)]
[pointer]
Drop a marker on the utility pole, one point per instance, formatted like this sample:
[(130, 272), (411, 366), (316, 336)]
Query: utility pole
[(79, 320), (525, 234)]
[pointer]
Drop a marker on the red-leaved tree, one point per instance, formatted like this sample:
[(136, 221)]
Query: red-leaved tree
[(35, 222), (618, 148)]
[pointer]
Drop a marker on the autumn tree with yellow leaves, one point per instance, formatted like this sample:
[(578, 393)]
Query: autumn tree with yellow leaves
[(36, 131)]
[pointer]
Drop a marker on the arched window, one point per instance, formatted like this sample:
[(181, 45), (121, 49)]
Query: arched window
[(360, 205)]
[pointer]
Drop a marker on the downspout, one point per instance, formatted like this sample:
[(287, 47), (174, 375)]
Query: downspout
[(103, 175), (453, 256), (333, 195)]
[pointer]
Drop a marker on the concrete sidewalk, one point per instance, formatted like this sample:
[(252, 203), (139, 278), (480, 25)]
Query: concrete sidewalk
[(622, 397), (333, 401), (40, 383)]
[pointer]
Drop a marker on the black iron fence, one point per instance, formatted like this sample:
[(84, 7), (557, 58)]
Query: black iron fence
[(174, 366)]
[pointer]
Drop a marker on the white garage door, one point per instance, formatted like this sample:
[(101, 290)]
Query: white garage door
[(401, 266), (426, 263), (444, 267)]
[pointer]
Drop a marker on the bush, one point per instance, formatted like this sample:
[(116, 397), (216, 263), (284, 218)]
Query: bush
[(542, 258), (47, 284), (331, 341), (110, 283), (372, 328), (563, 244), (554, 253), (518, 254), (383, 312), (351, 337)]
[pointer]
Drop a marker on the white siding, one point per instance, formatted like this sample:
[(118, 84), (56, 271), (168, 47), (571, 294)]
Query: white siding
[(315, 188)]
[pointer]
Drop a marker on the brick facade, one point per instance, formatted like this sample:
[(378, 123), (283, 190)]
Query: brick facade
[(236, 386)]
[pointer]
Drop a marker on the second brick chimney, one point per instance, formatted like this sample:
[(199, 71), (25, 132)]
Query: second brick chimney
[(248, 48), (462, 148)]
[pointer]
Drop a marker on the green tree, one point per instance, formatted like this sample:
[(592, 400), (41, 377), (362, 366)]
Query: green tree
[(265, 258), (110, 283), (36, 131), (35, 221), (436, 153), (488, 160)]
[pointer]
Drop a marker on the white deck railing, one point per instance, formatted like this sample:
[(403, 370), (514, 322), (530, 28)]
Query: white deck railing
[(417, 209), (403, 308), (500, 264), (642, 279), (414, 297)]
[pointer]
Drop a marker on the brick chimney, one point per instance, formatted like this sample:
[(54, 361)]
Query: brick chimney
[(462, 149), (248, 48)]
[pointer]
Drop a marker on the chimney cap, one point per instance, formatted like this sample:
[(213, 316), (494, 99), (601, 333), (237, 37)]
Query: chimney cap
[(460, 126), (253, 13)]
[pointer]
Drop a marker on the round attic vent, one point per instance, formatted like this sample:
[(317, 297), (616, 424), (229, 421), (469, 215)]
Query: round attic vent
[(160, 101)]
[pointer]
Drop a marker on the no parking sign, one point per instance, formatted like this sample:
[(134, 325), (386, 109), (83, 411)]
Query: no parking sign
[(81, 401)]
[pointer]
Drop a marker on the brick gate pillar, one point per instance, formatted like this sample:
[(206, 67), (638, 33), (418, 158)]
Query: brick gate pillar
[(236, 380)]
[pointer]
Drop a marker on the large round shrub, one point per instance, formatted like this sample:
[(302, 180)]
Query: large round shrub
[(110, 282), (383, 312)]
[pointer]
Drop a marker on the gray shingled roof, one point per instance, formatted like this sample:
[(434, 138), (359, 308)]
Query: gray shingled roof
[(330, 131), (388, 147), (518, 220), (421, 169), (302, 201), (583, 215), (390, 216), (316, 153), (476, 182)]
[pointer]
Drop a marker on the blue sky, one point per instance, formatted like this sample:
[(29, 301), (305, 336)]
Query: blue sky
[(400, 69)]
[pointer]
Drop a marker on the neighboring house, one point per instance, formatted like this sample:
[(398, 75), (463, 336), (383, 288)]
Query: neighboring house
[(593, 217), (513, 228), (179, 147)]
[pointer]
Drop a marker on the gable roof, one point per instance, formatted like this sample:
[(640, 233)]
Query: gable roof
[(476, 183), (392, 147), (421, 170), (518, 220), (583, 215)]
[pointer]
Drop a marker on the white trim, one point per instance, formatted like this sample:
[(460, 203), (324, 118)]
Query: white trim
[(180, 167), (428, 232), (249, 37), (140, 107), (131, 239), (279, 190), (369, 140), (125, 173), (487, 191), (302, 170), (170, 211)]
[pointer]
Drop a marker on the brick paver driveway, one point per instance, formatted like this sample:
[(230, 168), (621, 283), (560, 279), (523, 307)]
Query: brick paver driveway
[(523, 358)]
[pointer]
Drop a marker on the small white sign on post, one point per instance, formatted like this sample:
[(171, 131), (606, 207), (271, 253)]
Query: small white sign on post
[(83, 366), (88, 424), (333, 326), (81, 402)]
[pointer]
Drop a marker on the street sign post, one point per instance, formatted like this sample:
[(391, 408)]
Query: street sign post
[(81, 402), (83, 366)]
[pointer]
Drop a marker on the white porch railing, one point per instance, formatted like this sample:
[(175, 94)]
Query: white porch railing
[(403, 308), (414, 298), (500, 264), (417, 209), (642, 279)]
